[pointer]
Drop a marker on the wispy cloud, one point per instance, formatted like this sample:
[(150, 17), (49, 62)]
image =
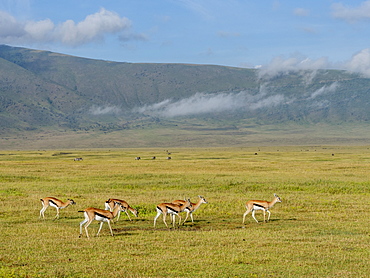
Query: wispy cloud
[(196, 7), (301, 12), (323, 90), (202, 103), (94, 27), (281, 66), (351, 14), (104, 110)]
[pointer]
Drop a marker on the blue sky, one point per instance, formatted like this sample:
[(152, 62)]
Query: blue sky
[(273, 35)]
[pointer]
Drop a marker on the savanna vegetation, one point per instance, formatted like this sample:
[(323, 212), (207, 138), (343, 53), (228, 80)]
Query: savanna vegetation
[(321, 228)]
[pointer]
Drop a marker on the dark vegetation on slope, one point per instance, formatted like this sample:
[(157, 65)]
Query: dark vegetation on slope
[(41, 90)]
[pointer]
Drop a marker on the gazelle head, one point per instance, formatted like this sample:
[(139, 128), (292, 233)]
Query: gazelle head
[(71, 201), (203, 200), (278, 199)]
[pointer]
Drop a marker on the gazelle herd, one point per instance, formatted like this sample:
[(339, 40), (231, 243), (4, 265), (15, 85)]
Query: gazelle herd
[(113, 208)]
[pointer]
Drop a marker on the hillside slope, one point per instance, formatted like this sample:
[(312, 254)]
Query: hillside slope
[(41, 91)]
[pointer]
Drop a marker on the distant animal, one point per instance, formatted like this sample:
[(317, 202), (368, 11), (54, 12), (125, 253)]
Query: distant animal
[(153, 157), (137, 158), (78, 159), (254, 205), (109, 205), (100, 215), (56, 203), (172, 209), (190, 210), (168, 157)]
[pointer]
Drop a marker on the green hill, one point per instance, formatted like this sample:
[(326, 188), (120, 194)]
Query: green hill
[(50, 100)]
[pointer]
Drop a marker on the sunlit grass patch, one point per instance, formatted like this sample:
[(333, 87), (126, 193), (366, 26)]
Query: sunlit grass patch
[(319, 229)]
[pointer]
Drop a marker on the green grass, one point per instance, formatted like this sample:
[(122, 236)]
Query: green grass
[(319, 230)]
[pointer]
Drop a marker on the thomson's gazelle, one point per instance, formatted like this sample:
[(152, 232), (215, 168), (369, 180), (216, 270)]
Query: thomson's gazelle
[(190, 210), (172, 210), (99, 215), (254, 205), (54, 202), (109, 205)]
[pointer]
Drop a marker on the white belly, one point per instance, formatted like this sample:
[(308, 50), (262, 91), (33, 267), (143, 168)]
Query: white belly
[(101, 219), (52, 205), (258, 208)]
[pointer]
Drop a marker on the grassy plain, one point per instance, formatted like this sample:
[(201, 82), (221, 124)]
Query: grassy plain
[(321, 229)]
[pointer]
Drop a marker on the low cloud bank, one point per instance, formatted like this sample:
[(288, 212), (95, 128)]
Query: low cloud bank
[(358, 63), (202, 103), (280, 65)]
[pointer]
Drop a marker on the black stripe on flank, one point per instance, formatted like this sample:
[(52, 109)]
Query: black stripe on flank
[(159, 208), (257, 205), (101, 215), (171, 209), (51, 201)]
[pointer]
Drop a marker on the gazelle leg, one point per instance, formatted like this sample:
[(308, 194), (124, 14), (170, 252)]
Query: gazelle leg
[(264, 215), (128, 215), (253, 212), (110, 228), (100, 226), (81, 224), (57, 216), (186, 218), (156, 217), (245, 214), (87, 225), (164, 219), (268, 219), (118, 215), (191, 216), (42, 212), (174, 219)]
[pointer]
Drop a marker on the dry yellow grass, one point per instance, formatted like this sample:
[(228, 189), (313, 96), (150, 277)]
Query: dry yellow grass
[(319, 230)]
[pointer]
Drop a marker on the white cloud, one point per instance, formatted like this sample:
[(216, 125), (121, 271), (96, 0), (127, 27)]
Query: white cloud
[(40, 30), (351, 14), (93, 27), (360, 62), (9, 27), (202, 103)]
